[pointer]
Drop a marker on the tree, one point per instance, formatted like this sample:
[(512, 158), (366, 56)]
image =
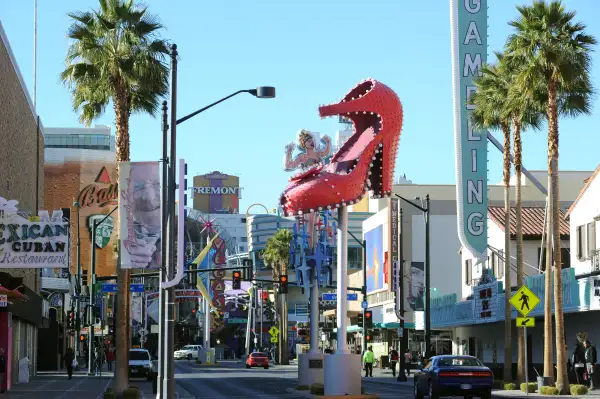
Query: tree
[(277, 255), (116, 56), (491, 104), (558, 57)]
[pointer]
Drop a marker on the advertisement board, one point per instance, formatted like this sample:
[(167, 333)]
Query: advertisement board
[(375, 259), (468, 21), (35, 242), (140, 215)]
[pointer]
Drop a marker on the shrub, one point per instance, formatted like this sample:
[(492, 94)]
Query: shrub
[(577, 390), (531, 387), (131, 393), (317, 389), (511, 386), (545, 390), (302, 387)]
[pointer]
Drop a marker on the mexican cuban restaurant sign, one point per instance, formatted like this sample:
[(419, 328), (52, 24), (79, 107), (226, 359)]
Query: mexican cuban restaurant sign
[(468, 23), (32, 244)]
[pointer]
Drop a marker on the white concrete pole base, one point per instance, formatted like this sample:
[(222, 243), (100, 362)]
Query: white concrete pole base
[(207, 356), (343, 374), (308, 375)]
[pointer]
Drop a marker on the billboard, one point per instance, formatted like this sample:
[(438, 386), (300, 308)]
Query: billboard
[(216, 193), (415, 286), (375, 259), (468, 23), (35, 242), (140, 215)]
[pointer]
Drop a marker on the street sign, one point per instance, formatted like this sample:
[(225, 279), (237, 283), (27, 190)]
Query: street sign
[(274, 339), (364, 304), (3, 301), (274, 331), (112, 288), (136, 287), (400, 332), (524, 300), (333, 297), (525, 322)]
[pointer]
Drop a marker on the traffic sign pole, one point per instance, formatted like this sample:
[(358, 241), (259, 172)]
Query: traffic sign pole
[(526, 363)]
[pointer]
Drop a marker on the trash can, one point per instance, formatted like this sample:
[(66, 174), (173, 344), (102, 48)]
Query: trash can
[(543, 382), (384, 362)]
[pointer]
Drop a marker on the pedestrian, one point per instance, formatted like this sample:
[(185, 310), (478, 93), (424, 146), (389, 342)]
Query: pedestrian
[(110, 357), (368, 359), (407, 361), (393, 360), (69, 361), (591, 359), (578, 362), (2, 369)]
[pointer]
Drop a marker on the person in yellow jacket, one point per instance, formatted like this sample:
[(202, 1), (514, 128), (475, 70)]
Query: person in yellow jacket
[(368, 359)]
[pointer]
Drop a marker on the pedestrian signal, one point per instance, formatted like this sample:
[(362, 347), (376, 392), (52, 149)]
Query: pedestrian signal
[(237, 280), (82, 338), (283, 284), (361, 320)]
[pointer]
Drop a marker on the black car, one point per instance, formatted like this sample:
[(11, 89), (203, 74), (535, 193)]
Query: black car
[(451, 375)]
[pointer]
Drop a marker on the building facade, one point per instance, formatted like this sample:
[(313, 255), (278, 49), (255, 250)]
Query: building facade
[(21, 179)]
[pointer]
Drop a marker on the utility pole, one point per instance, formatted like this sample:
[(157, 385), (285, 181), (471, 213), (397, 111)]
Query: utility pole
[(77, 286), (169, 380), (364, 292), (427, 279), (163, 243), (404, 337), (92, 316)]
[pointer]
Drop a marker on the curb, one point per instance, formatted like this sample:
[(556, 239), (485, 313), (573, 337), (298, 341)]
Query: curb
[(307, 394)]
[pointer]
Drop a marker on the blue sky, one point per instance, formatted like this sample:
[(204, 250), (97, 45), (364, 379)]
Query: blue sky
[(313, 52)]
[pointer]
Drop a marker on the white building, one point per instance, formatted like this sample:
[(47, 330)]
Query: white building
[(584, 216), (79, 144)]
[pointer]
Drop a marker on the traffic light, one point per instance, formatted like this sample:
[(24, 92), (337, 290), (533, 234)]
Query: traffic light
[(369, 336), (369, 319), (237, 280), (84, 277), (71, 320), (81, 337), (361, 320), (283, 284)]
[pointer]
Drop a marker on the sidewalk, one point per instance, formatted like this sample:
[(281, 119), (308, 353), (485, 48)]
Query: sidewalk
[(384, 376)]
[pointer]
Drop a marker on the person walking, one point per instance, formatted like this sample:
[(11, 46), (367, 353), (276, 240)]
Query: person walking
[(68, 359), (2, 369), (110, 357), (591, 359), (407, 361), (578, 363), (368, 359), (393, 360)]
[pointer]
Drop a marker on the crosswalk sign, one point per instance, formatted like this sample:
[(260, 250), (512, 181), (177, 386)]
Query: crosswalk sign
[(274, 339), (524, 300), (525, 322), (274, 331)]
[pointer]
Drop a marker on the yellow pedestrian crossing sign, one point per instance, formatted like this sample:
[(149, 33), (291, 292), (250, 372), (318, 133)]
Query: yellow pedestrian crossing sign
[(274, 331), (525, 322), (274, 339), (524, 300)]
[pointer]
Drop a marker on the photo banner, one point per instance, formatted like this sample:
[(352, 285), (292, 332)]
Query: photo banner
[(468, 23), (140, 215), (36, 242)]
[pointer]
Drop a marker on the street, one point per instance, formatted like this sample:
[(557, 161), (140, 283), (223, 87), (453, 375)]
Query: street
[(229, 379)]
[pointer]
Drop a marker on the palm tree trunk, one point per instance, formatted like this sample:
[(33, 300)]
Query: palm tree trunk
[(284, 330), (548, 344), (562, 380), (122, 341), (519, 227), (507, 269)]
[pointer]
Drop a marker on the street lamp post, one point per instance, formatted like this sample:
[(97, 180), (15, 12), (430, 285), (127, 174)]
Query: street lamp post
[(78, 285), (426, 211), (404, 338), (168, 368)]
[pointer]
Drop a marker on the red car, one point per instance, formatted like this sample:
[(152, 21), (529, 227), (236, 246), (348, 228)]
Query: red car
[(257, 359)]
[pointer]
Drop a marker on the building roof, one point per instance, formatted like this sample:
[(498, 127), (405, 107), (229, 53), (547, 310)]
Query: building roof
[(588, 183), (532, 220)]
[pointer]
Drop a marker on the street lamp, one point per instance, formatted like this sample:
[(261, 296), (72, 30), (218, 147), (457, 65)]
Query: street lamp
[(427, 271), (167, 385)]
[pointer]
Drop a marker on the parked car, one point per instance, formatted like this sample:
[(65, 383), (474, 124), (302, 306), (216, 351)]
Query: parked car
[(451, 375), (140, 364), (188, 352), (257, 359)]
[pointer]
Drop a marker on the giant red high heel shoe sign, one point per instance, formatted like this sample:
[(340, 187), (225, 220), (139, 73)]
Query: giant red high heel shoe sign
[(365, 162)]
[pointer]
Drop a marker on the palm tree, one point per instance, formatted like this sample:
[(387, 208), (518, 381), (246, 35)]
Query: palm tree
[(558, 59), (115, 56), (491, 104), (277, 255)]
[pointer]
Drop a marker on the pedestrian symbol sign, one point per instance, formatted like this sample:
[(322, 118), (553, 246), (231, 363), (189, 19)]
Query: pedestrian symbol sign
[(274, 331), (524, 300), (274, 339), (525, 322)]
